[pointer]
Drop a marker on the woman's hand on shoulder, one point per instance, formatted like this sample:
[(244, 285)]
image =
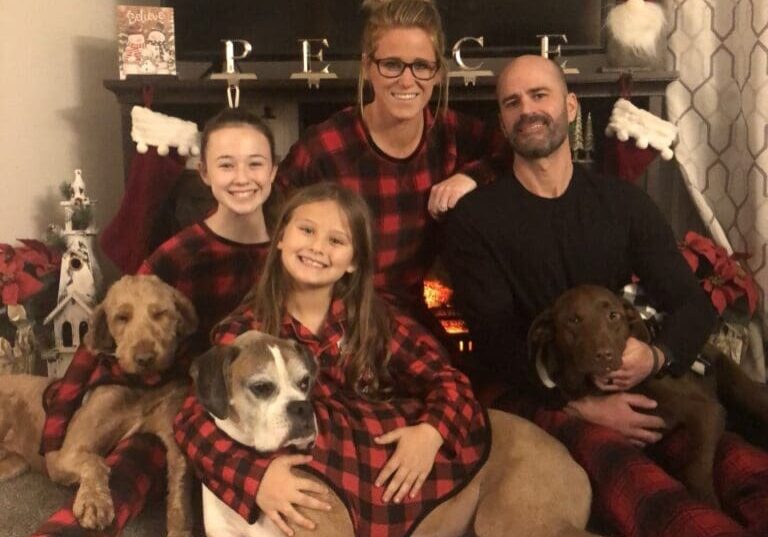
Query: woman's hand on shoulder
[(445, 194), (410, 464), (281, 491)]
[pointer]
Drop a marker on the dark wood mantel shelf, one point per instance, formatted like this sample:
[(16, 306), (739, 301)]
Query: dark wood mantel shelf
[(172, 90)]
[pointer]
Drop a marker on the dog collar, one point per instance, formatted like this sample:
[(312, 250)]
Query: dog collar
[(544, 374)]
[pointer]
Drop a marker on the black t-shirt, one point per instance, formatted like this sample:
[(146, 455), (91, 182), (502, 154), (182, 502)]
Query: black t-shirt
[(512, 253)]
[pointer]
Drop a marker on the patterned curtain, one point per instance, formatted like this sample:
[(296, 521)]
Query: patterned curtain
[(720, 104)]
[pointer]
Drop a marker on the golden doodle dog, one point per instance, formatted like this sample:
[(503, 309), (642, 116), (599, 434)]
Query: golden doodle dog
[(140, 322), (257, 391), (583, 335)]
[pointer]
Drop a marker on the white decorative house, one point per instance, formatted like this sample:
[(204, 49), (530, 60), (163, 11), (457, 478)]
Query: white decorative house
[(79, 280)]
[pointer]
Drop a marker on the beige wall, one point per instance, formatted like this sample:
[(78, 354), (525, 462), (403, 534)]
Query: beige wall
[(55, 114)]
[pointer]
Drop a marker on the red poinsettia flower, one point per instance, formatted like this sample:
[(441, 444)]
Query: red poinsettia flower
[(720, 274), (695, 245), (16, 285), (36, 255)]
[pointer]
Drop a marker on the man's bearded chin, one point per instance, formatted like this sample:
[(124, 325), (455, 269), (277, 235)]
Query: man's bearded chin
[(537, 147)]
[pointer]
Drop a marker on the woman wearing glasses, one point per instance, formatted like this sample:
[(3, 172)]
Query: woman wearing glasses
[(403, 155)]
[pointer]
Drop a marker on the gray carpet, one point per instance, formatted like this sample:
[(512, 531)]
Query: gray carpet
[(28, 500)]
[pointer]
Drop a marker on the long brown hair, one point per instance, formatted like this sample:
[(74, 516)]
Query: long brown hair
[(384, 15), (365, 349)]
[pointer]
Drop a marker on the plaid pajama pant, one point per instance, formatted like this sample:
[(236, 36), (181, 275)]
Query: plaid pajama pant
[(634, 496), (137, 467)]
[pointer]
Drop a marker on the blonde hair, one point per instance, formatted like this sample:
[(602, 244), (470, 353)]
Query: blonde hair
[(365, 351), (384, 15)]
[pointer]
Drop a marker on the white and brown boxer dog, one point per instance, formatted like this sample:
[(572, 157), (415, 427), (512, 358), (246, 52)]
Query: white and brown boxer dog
[(257, 390)]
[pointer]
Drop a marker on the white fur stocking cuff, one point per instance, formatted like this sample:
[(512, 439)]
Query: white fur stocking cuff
[(627, 121), (153, 128)]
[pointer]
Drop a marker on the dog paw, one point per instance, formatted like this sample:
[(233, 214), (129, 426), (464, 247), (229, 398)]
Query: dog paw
[(12, 465), (93, 508)]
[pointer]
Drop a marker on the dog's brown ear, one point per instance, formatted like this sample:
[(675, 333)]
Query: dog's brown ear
[(187, 323), (210, 371), (309, 360), (99, 338), (637, 327), (541, 338)]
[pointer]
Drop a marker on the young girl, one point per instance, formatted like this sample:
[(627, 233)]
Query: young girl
[(395, 150), (213, 263), (388, 404)]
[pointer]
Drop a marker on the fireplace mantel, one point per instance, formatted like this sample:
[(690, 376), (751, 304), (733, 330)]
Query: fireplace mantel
[(172, 90)]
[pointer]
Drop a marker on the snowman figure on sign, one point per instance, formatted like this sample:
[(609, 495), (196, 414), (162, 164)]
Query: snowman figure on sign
[(132, 55), (156, 49)]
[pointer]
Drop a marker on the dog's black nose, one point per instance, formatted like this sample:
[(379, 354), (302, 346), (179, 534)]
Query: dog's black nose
[(299, 409), (605, 355), (146, 359)]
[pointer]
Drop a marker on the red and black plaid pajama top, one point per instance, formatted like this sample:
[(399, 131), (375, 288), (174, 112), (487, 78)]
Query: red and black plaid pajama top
[(396, 190), (345, 456), (213, 272)]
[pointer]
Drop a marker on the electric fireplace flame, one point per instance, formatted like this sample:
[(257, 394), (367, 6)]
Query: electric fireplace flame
[(438, 296)]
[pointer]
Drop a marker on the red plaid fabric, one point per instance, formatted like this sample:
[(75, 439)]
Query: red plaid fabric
[(633, 496), (134, 465), (345, 456), (213, 272), (397, 190), (86, 371)]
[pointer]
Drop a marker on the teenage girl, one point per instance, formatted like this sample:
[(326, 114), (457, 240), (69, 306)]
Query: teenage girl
[(214, 263)]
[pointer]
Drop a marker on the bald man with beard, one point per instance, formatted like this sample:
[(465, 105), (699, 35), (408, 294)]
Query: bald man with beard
[(544, 226)]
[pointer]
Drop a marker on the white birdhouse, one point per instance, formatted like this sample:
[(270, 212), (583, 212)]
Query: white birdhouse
[(79, 282)]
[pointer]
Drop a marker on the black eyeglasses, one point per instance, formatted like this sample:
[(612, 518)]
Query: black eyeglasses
[(394, 67)]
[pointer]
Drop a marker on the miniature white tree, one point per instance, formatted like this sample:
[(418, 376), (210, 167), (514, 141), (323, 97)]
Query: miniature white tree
[(589, 139), (577, 142)]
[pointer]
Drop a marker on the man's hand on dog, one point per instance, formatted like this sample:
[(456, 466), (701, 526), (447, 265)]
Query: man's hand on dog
[(281, 490), (619, 412), (411, 462), (637, 365)]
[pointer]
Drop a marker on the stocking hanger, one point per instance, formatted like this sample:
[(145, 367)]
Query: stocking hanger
[(231, 74)]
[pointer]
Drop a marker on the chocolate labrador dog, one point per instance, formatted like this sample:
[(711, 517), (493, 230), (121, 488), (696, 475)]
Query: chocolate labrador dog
[(583, 335)]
